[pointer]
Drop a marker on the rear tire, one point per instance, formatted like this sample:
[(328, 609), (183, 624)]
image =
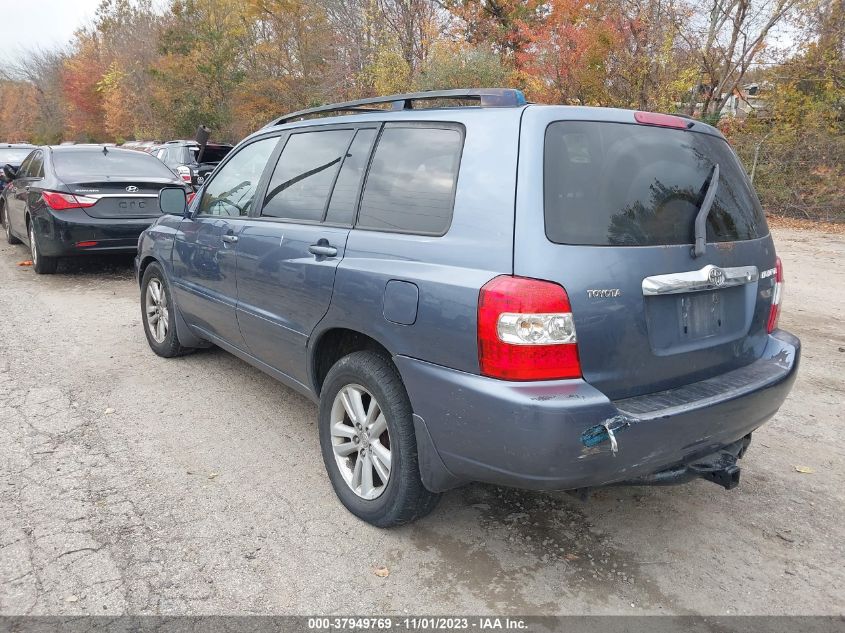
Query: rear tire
[(384, 443), (7, 228), (40, 264), (158, 314)]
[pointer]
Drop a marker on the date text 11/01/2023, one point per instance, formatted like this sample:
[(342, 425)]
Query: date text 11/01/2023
[(418, 623)]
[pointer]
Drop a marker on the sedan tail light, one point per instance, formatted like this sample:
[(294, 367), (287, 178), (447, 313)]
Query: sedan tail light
[(777, 297), (63, 201), (526, 330)]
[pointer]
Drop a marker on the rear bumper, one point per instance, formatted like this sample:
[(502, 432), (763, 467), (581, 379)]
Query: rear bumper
[(59, 233), (553, 435)]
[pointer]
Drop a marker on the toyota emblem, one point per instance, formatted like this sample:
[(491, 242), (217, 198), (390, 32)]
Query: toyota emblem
[(717, 276)]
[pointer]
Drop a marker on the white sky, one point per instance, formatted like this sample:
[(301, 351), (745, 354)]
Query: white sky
[(41, 24)]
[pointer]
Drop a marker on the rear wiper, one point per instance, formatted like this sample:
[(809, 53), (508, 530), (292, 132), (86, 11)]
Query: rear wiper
[(701, 219)]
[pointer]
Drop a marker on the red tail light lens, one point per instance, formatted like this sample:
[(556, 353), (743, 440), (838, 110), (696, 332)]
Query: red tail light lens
[(663, 120), (526, 331), (777, 297), (190, 197), (63, 201)]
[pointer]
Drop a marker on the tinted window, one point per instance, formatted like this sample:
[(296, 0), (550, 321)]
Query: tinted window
[(636, 185), (232, 189), (13, 156), (304, 175), (24, 168), (411, 183), (345, 193), (210, 155), (84, 164), (36, 165)]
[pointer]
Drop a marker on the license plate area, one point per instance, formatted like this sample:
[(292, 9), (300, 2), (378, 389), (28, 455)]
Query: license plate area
[(700, 315), (683, 322)]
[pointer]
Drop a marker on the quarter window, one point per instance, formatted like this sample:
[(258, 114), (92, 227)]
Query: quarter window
[(232, 190), (411, 184), (304, 175)]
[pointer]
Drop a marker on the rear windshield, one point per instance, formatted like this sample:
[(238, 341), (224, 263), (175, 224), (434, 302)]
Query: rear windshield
[(210, 155), (94, 163), (618, 184), (14, 156)]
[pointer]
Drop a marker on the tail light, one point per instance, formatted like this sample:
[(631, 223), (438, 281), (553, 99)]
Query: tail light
[(190, 197), (777, 297), (526, 331), (64, 201), (184, 172)]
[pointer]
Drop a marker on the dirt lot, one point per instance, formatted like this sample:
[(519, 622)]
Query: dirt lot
[(129, 483)]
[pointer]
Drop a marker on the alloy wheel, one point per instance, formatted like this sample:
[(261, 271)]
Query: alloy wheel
[(156, 311), (33, 249), (360, 441)]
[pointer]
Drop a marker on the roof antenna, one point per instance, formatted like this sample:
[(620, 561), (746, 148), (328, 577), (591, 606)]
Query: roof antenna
[(105, 150)]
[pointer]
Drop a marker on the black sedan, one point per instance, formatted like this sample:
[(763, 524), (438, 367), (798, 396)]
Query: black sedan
[(82, 199)]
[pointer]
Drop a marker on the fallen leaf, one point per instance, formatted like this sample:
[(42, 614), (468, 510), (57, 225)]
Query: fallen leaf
[(71, 599), (806, 470), (571, 557), (212, 475), (381, 571), (27, 262), (109, 411)]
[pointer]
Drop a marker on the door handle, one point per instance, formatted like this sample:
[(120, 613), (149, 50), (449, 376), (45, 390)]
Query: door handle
[(231, 239), (322, 249)]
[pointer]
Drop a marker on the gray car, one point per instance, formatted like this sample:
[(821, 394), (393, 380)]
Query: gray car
[(474, 288)]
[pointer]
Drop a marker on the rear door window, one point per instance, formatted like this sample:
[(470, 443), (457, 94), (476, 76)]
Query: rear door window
[(410, 187), (619, 184), (300, 186), (345, 194), (36, 166)]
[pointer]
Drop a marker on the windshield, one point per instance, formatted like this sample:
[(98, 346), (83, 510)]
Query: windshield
[(618, 184), (90, 164), (14, 155)]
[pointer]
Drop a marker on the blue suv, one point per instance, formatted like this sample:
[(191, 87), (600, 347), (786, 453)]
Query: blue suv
[(474, 288)]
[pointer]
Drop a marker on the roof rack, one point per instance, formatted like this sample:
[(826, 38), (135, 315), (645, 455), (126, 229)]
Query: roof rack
[(486, 97)]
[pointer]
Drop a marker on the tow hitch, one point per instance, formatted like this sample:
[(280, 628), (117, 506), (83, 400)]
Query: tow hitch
[(719, 467)]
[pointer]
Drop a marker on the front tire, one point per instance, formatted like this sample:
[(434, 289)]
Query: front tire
[(158, 314), (40, 264), (7, 228), (368, 442)]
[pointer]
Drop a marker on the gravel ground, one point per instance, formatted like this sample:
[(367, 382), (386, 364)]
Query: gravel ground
[(134, 484)]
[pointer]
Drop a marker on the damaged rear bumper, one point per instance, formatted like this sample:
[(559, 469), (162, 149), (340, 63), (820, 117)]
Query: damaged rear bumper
[(565, 435)]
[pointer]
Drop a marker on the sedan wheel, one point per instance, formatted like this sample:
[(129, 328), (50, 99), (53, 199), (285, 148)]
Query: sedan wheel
[(40, 264)]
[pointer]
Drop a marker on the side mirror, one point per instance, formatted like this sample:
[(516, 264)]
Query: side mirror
[(173, 201), (9, 172)]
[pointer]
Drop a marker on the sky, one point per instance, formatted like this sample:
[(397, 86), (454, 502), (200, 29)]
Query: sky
[(42, 24)]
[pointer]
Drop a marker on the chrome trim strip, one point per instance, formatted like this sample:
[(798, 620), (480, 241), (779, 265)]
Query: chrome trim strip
[(707, 278), (118, 195)]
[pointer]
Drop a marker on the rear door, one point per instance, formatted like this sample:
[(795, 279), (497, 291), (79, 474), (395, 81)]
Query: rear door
[(288, 254), (606, 207)]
